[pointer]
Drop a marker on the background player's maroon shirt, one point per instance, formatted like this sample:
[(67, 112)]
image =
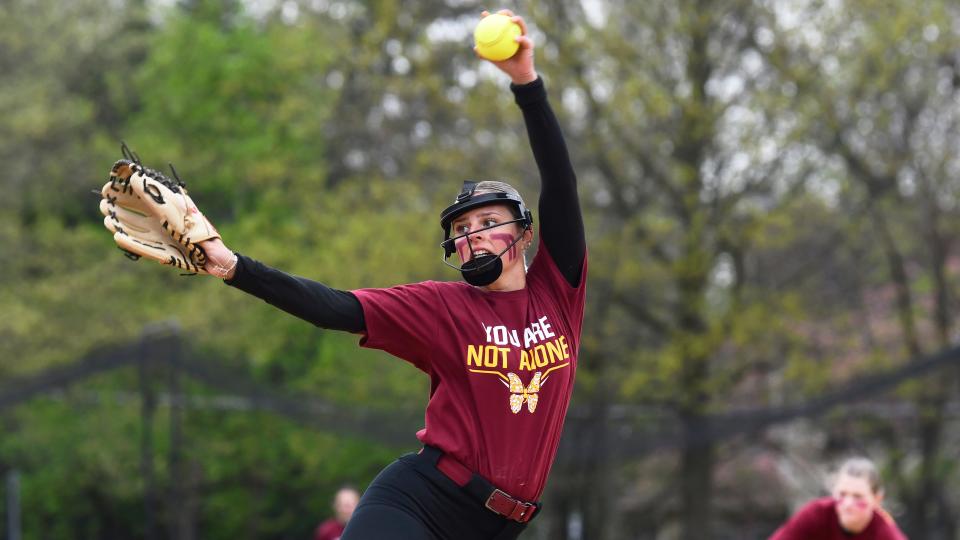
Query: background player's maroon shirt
[(330, 529), (485, 353), (817, 520)]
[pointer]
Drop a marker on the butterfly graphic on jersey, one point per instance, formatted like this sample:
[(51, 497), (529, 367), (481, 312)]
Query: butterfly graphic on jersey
[(519, 393)]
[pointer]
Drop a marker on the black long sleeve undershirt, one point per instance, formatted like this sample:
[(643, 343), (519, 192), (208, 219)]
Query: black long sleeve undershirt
[(309, 300), (561, 227), (561, 223)]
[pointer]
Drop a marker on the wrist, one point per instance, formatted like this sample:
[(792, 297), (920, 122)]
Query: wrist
[(223, 269), (524, 78)]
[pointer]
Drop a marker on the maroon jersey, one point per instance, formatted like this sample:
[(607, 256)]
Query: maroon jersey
[(818, 520), (501, 366), (330, 529)]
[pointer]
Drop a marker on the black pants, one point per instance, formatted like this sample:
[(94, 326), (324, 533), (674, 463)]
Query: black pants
[(412, 500)]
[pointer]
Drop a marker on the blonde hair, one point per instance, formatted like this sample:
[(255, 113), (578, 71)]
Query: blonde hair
[(861, 467), (495, 186)]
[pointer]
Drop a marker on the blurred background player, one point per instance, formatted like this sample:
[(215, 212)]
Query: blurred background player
[(344, 502), (852, 512)]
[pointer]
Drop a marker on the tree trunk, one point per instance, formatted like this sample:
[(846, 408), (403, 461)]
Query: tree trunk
[(696, 482), (925, 501)]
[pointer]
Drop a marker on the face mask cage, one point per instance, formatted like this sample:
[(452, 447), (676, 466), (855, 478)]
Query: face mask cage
[(450, 244), (468, 200)]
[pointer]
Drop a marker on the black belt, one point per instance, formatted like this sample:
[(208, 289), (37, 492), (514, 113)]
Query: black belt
[(494, 499)]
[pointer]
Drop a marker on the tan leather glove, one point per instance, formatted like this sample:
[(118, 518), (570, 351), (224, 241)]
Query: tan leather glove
[(152, 216)]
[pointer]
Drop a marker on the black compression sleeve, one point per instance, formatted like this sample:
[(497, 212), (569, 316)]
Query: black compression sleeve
[(561, 223), (312, 301)]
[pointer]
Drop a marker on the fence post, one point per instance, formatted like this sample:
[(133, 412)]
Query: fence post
[(13, 504), (179, 497), (154, 349)]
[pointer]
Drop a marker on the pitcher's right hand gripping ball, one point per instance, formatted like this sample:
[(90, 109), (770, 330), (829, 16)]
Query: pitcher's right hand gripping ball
[(152, 216)]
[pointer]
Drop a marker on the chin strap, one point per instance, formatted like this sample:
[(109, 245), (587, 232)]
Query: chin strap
[(481, 274)]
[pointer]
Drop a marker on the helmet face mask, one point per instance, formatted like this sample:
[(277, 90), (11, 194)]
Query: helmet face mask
[(486, 269)]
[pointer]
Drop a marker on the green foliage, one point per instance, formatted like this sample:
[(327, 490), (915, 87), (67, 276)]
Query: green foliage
[(240, 108), (55, 110), (78, 463)]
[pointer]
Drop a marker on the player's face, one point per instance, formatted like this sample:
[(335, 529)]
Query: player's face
[(490, 241), (345, 503), (856, 502)]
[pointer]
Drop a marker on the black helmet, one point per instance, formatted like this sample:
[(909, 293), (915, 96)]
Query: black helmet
[(468, 200)]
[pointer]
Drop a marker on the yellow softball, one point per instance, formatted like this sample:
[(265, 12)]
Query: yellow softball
[(496, 37)]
